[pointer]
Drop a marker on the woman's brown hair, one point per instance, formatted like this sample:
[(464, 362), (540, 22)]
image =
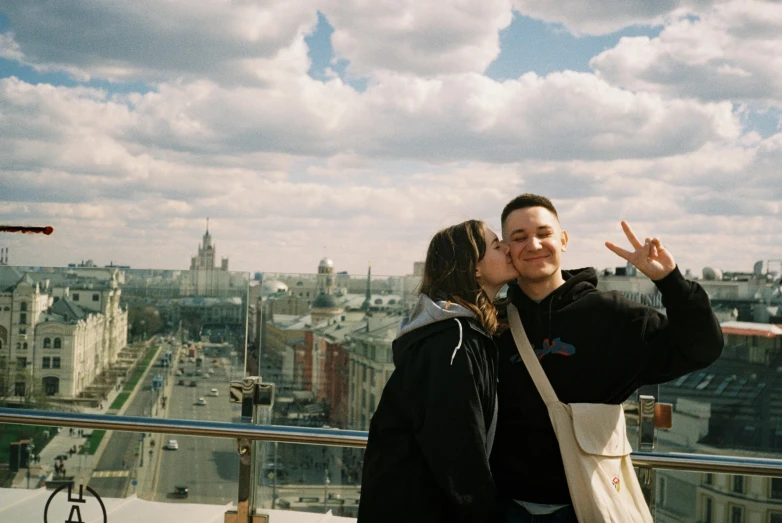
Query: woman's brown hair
[(449, 270)]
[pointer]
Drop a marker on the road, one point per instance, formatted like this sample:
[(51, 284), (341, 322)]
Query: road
[(120, 449), (209, 467)]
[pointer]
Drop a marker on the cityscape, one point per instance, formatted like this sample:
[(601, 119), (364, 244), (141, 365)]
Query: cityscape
[(215, 214), (72, 338)]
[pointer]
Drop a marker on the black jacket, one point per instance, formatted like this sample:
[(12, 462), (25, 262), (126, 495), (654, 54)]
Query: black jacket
[(595, 347), (427, 458)]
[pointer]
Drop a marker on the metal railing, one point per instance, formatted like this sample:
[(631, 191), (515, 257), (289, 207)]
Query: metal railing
[(351, 438)]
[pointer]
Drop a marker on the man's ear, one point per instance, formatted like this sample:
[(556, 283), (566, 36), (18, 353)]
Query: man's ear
[(564, 239)]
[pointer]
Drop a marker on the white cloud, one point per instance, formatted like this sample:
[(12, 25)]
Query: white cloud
[(290, 168), (608, 16), (730, 53), (422, 38), (155, 40)]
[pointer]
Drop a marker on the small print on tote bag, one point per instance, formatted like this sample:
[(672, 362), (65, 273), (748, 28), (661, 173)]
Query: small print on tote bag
[(595, 451)]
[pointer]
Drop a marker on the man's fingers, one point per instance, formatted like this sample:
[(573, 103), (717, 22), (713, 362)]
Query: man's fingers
[(619, 251), (630, 236)]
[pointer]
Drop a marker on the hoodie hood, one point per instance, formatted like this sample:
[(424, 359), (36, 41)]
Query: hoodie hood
[(427, 312), (577, 282)]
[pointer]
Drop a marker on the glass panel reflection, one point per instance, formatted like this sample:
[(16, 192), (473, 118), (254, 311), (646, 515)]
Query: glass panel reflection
[(711, 498)]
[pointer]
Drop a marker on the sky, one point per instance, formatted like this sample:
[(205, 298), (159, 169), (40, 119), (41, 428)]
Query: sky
[(355, 130)]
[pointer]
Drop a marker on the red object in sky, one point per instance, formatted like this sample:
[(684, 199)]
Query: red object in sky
[(27, 230)]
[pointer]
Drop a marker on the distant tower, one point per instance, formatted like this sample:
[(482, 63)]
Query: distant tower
[(205, 259), (3, 255), (326, 277), (368, 300)]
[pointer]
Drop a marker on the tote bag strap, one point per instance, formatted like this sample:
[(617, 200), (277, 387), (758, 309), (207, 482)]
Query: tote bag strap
[(529, 358)]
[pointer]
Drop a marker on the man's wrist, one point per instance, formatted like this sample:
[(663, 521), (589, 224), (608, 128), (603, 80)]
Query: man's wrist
[(673, 282)]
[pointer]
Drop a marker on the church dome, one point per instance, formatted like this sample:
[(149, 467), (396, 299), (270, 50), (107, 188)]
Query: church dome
[(326, 263), (325, 301), (272, 287)]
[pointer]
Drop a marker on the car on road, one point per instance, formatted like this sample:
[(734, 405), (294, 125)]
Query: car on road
[(199, 372), (192, 384), (214, 392), (181, 491), (201, 401), (180, 382), (172, 444)]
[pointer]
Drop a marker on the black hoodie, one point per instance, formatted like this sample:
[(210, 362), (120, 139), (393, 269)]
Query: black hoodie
[(595, 347), (429, 439)]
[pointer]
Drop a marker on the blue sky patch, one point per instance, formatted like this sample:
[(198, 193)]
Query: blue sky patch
[(529, 45), (322, 56)]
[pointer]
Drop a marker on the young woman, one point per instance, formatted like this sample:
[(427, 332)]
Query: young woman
[(431, 436)]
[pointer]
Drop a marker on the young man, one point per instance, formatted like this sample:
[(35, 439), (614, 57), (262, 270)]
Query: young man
[(595, 347)]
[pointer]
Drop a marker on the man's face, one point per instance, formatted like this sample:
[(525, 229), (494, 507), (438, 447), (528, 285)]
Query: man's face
[(536, 242)]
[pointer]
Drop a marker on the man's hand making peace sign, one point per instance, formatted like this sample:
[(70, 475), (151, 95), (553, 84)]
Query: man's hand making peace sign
[(651, 258)]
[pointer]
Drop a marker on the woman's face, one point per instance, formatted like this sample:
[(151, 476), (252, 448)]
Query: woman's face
[(495, 269)]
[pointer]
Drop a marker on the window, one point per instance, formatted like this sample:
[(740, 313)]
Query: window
[(23, 306), (22, 330), (96, 297), (708, 479), (46, 362), (775, 517), (47, 343), (738, 484), (21, 363), (776, 488), (23, 318), (736, 514), (51, 385), (75, 296), (56, 362), (707, 510), (57, 343), (19, 388), (24, 345)]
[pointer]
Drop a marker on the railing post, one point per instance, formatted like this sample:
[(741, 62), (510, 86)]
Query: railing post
[(253, 395), (646, 414)]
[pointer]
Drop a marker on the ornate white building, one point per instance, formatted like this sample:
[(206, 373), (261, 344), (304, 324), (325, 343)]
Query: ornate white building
[(58, 332)]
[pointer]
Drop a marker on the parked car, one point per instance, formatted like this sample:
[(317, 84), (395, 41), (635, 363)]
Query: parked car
[(172, 444), (192, 384), (181, 491), (213, 392), (180, 382), (201, 401)]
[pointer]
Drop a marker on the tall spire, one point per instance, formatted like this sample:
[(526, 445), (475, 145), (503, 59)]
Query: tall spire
[(368, 299)]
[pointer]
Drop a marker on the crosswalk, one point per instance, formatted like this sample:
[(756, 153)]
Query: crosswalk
[(110, 474)]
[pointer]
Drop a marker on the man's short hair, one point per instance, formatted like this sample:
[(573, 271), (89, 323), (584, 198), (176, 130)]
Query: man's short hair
[(525, 201)]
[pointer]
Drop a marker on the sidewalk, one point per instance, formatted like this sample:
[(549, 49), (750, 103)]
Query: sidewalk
[(78, 466)]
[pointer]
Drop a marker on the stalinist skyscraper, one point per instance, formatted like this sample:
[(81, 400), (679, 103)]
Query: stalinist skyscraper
[(203, 278)]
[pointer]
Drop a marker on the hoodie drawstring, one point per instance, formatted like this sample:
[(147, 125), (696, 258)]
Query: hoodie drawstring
[(459, 346)]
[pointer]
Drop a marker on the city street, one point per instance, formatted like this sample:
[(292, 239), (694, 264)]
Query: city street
[(209, 467), (110, 477)]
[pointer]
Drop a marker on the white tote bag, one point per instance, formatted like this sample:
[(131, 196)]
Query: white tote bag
[(595, 451)]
